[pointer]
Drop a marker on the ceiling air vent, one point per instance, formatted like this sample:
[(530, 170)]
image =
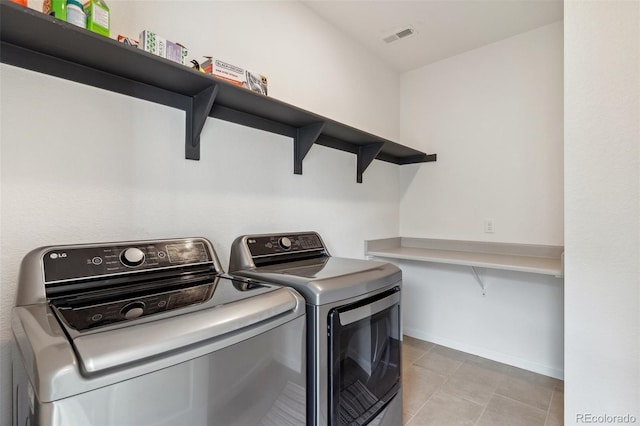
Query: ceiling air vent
[(401, 33)]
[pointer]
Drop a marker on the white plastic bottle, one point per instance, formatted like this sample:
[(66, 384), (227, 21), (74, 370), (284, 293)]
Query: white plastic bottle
[(75, 14)]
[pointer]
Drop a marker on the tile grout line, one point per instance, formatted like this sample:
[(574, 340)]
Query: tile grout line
[(410, 365), (516, 401), (522, 403), (435, 391), (550, 400), (439, 389), (484, 409), (463, 398), (456, 370), (420, 408), (546, 419), (432, 393), (409, 421), (472, 401)]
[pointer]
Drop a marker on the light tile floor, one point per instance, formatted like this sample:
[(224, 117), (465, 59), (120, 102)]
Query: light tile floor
[(445, 387)]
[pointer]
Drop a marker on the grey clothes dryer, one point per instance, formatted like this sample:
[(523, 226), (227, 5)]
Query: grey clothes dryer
[(153, 333), (354, 326)]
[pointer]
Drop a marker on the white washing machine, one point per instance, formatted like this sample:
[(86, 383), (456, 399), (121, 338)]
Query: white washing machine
[(153, 333)]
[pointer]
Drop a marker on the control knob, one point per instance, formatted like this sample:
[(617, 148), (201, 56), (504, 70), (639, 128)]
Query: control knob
[(284, 243), (132, 310), (132, 257)]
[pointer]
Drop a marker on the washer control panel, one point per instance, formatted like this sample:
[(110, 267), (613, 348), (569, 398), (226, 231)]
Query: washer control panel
[(72, 263), (269, 245)]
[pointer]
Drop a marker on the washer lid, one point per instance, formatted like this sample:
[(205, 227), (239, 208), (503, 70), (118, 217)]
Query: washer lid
[(328, 279), (61, 362), (120, 347)]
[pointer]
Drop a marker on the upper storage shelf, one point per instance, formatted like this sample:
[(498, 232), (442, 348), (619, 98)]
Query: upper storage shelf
[(44, 44)]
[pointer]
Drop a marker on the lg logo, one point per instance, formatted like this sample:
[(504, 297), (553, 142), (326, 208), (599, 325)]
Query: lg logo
[(58, 255)]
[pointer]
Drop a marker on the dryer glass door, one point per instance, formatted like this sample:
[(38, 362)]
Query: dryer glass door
[(364, 352)]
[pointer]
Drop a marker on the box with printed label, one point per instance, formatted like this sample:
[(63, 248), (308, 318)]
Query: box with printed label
[(98, 19), (236, 75), (153, 43)]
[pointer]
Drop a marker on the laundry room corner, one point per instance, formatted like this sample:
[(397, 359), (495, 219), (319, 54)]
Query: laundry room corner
[(495, 116)]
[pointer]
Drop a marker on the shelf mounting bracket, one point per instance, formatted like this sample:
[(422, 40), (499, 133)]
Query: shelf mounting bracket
[(479, 280), (303, 140), (197, 112), (366, 155)]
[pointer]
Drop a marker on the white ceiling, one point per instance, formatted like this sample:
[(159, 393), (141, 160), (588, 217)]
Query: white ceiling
[(444, 27)]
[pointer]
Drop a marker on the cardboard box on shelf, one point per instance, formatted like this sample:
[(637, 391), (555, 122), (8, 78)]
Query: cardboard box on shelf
[(128, 41), (236, 75), (98, 19), (153, 43)]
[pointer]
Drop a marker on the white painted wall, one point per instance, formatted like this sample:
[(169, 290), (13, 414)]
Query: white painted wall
[(518, 322), (602, 219), (494, 117), (79, 164)]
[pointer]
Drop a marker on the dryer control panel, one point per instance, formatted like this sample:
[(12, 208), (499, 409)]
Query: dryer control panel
[(268, 245), (250, 251)]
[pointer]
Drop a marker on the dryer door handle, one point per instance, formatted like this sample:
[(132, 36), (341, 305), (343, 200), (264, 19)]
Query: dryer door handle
[(366, 311)]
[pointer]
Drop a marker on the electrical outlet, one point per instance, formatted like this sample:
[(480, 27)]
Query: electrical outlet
[(489, 226)]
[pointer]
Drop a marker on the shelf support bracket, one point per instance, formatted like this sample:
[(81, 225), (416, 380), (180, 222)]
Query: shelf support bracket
[(303, 141), (197, 112), (479, 280), (366, 155)]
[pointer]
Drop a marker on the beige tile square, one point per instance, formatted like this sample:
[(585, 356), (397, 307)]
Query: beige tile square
[(526, 391), (474, 381), (481, 373), (452, 353), (418, 384), (555, 417), (506, 412), (413, 349), (491, 365), (410, 354), (442, 360), (532, 377), (416, 343), (443, 409), (478, 392)]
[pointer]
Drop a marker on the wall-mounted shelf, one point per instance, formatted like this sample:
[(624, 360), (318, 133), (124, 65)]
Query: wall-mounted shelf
[(535, 259), (44, 44)]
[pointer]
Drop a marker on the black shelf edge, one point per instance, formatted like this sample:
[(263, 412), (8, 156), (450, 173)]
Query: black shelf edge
[(41, 43), (28, 59)]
